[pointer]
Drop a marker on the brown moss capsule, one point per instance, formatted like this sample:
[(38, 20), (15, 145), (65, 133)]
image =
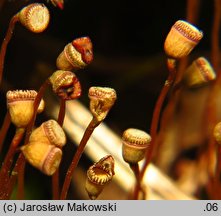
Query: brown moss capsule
[(65, 84), (76, 55), (35, 17), (101, 101), (99, 175), (135, 144), (199, 73), (49, 132), (42, 156), (181, 39), (217, 133), (21, 106)]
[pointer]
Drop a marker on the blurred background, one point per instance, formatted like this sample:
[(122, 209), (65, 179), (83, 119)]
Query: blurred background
[(127, 38)]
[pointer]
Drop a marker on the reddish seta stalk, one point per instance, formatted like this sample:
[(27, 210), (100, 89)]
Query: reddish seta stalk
[(93, 124), (157, 111), (138, 188), (36, 105), (55, 177), (7, 38), (6, 167), (19, 167), (4, 129)]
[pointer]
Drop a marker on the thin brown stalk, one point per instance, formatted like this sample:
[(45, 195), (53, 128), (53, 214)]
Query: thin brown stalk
[(21, 180), (55, 177), (156, 114), (19, 167), (90, 128), (4, 129), (61, 114), (7, 39), (215, 52), (138, 188), (6, 167), (192, 15), (192, 12), (36, 105)]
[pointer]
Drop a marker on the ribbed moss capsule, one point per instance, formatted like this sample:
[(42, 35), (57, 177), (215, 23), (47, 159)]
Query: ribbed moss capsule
[(65, 84), (101, 101), (76, 55), (181, 39), (49, 132), (200, 72), (21, 106), (35, 17), (135, 144), (43, 150), (43, 156)]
